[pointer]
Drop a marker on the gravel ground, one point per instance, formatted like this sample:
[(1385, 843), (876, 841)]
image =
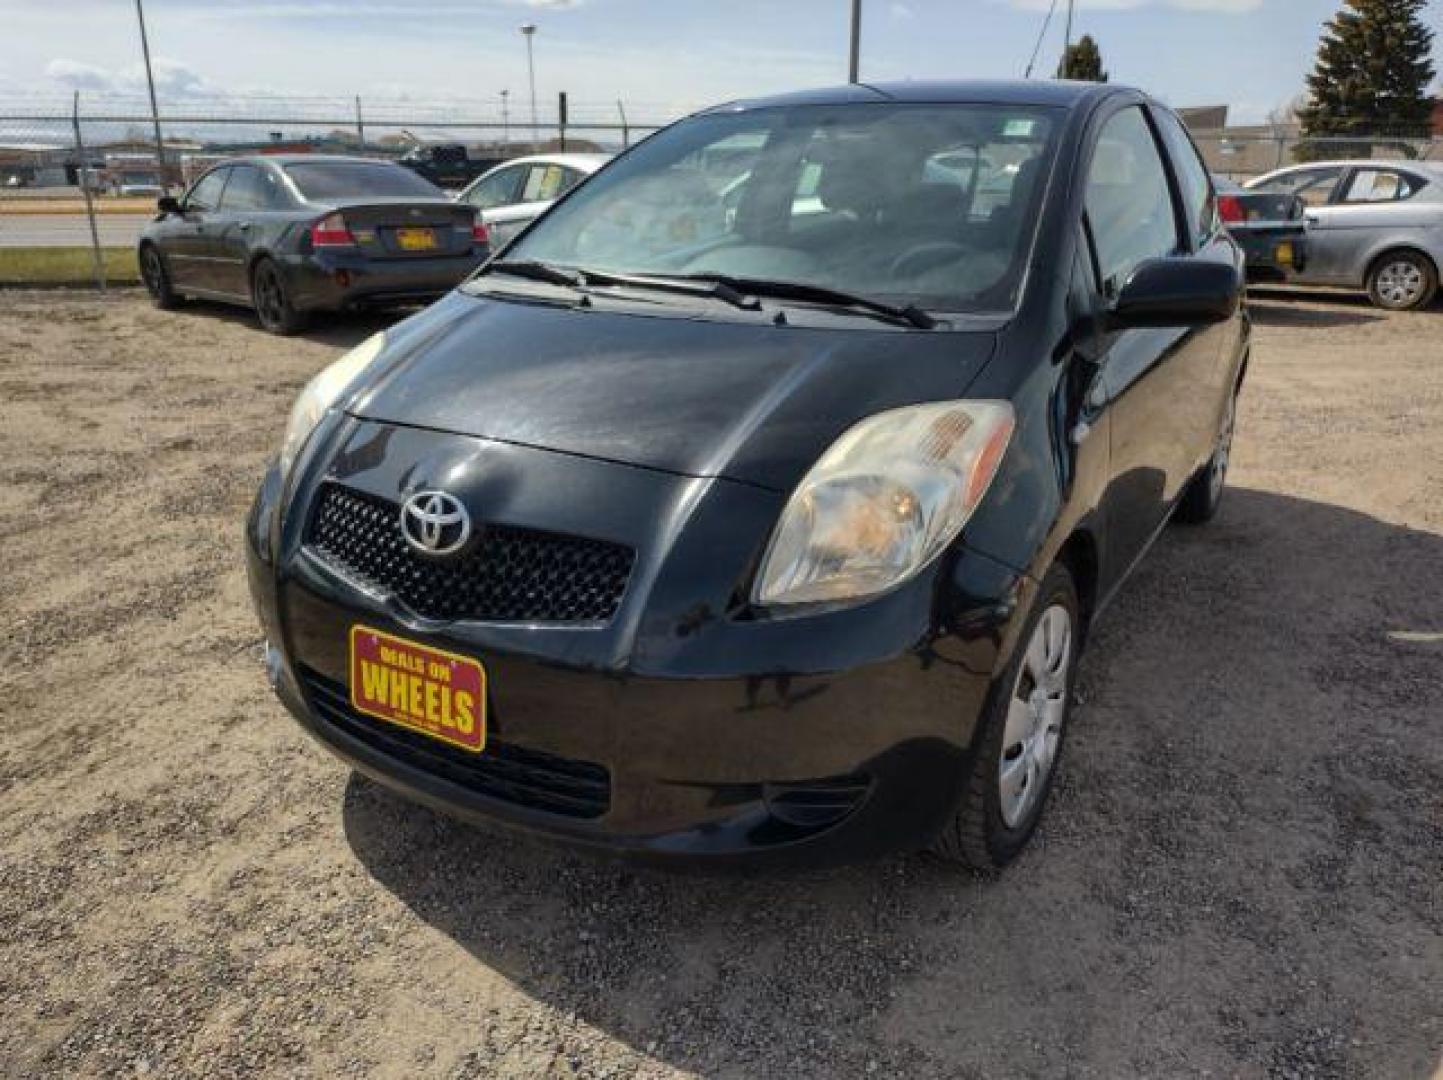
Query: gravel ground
[(1241, 873)]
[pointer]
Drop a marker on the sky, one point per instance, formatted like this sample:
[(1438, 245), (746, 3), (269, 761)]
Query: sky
[(656, 55)]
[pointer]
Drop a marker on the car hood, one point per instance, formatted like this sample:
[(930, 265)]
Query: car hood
[(749, 401)]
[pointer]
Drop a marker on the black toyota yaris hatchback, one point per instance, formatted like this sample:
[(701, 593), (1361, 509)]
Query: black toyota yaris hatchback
[(758, 499)]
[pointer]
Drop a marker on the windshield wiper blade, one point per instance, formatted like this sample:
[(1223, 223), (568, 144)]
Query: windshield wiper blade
[(536, 271), (911, 314), (691, 286)]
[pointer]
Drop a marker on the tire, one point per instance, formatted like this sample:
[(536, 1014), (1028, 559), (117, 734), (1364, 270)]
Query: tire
[(1402, 281), (156, 276), (272, 300), (1020, 735), (1199, 504)]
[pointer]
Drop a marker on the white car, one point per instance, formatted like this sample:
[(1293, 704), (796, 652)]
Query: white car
[(515, 193)]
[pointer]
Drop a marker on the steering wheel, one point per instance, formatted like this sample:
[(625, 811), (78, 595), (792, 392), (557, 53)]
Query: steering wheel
[(923, 257)]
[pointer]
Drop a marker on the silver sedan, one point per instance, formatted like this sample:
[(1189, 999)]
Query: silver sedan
[(513, 194), (1371, 224)]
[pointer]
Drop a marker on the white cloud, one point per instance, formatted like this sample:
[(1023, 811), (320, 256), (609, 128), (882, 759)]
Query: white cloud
[(73, 75), (899, 10), (173, 78)]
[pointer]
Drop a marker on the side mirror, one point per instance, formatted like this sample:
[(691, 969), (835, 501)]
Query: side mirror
[(1177, 292), (168, 204)]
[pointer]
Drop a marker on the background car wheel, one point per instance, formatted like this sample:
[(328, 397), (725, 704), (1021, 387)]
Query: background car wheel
[(1205, 494), (1402, 281), (272, 300), (156, 276), (1020, 735)]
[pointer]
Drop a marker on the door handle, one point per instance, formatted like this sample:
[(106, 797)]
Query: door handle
[(244, 226)]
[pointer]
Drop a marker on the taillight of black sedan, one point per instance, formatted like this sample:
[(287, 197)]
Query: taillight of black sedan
[(291, 234), (758, 503)]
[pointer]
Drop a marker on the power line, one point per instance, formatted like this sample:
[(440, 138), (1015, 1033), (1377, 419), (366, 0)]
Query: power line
[(1047, 21)]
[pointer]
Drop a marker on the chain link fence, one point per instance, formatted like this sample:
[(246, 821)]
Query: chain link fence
[(1241, 154), (79, 178)]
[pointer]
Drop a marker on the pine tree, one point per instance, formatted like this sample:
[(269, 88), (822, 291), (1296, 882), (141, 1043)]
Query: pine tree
[(1372, 73), (1082, 61)]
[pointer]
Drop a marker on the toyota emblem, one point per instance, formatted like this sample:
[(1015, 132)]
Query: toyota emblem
[(435, 523)]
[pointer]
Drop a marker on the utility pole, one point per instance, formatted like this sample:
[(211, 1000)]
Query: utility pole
[(528, 31), (150, 82), (360, 124), (854, 66), (1066, 40), (505, 119)]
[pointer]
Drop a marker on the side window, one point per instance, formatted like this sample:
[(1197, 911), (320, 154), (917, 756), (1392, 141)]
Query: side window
[(1313, 186), (1380, 185), (543, 182), (206, 193), (1129, 204), (251, 188), (498, 189), (1198, 202)]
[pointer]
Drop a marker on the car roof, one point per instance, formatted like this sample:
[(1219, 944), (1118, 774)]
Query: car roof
[(300, 159), (1432, 168), (586, 162), (1046, 92)]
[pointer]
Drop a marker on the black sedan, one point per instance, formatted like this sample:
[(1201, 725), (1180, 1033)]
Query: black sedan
[(759, 502), (288, 235), (1269, 226)]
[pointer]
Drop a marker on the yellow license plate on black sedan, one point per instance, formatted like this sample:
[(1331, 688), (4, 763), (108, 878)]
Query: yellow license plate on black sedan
[(416, 239), (431, 691)]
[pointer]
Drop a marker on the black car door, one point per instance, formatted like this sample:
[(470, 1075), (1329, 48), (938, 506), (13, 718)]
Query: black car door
[(251, 199), (190, 245), (1153, 377)]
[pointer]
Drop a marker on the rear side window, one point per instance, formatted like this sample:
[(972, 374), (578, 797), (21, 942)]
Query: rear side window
[(544, 182), (1380, 185), (1129, 203), (350, 179), (206, 193), (251, 188), (1192, 176)]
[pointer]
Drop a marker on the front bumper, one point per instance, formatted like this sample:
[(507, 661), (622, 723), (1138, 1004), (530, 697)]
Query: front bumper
[(835, 736), (334, 279)]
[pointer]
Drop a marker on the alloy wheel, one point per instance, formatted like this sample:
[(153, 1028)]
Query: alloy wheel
[(1401, 283), (152, 271), (270, 299), (1035, 713)]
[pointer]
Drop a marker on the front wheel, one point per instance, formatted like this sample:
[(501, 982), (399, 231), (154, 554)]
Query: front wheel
[(1204, 495), (272, 300), (1402, 281), (1019, 736), (156, 276)]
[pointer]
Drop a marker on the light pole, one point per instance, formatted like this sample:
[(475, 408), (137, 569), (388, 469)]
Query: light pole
[(154, 111), (528, 31), (505, 119), (853, 68)]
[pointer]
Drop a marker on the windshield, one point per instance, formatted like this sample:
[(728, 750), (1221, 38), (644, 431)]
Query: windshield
[(929, 205), (345, 179)]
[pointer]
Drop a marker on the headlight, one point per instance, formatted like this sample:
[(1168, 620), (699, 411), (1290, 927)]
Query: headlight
[(321, 393), (884, 501)]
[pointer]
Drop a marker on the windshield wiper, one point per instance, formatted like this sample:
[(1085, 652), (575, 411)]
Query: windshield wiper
[(536, 271), (691, 286), (911, 314)]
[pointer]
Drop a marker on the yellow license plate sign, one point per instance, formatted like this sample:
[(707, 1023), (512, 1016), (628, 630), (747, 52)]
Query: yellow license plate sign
[(1284, 253), (416, 239), (414, 686)]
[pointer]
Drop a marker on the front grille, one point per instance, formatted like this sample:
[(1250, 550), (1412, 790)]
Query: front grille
[(508, 574), (530, 778)]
